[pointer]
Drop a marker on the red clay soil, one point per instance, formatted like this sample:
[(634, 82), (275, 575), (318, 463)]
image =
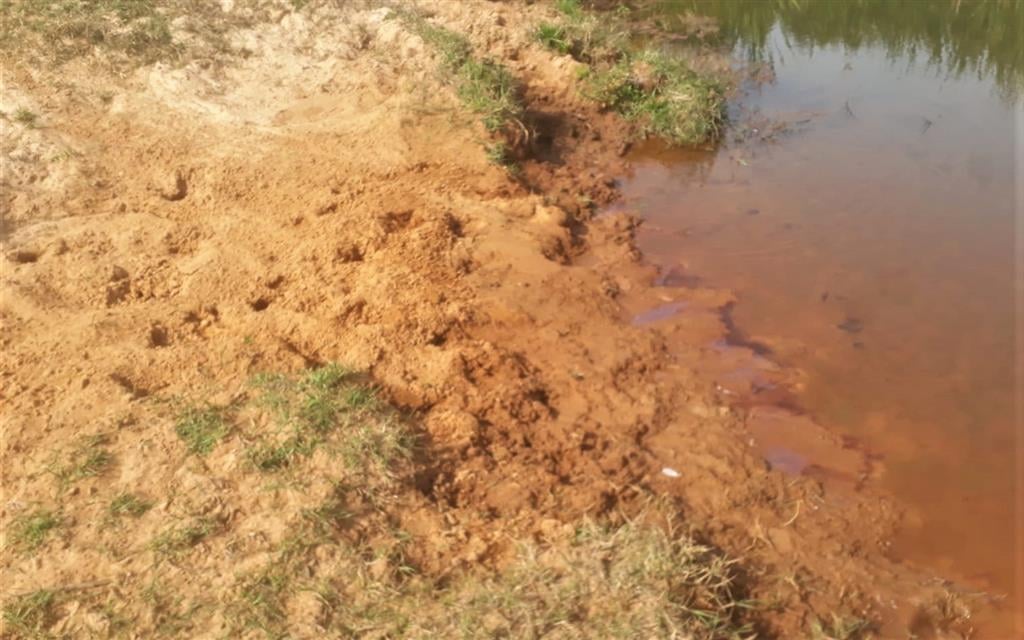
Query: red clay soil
[(324, 200)]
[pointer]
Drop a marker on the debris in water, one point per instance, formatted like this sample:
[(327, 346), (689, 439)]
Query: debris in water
[(786, 460), (670, 472), (658, 313), (851, 325)]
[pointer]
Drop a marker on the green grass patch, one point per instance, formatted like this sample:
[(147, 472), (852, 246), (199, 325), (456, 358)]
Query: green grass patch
[(484, 86), (662, 95), (29, 531), (587, 37), (328, 407), (30, 616), (649, 86), (66, 29), (201, 427)]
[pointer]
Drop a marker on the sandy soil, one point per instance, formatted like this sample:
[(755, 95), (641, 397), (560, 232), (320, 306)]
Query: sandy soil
[(173, 232)]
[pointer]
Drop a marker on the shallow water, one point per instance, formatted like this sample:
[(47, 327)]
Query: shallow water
[(872, 243)]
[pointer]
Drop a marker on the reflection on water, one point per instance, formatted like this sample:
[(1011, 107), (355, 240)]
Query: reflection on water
[(873, 245), (953, 37)]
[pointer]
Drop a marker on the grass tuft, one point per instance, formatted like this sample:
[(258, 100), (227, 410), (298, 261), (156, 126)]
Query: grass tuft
[(325, 519), (26, 117), (31, 615), (128, 504), (28, 532), (499, 154), (484, 86), (554, 37), (172, 616), (88, 459), (179, 539), (838, 627), (260, 603), (570, 8), (201, 427)]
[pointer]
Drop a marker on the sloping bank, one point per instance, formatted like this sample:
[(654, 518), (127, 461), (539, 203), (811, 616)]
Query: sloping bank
[(207, 211)]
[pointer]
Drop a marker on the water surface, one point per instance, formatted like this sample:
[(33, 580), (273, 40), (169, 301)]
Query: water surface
[(872, 243)]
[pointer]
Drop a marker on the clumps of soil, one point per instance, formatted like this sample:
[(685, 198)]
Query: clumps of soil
[(344, 522)]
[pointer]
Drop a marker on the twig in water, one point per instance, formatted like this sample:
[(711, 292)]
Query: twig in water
[(795, 514)]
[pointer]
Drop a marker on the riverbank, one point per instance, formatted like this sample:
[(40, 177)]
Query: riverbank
[(303, 187)]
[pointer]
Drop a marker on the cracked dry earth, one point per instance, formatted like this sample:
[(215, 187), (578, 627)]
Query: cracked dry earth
[(172, 234)]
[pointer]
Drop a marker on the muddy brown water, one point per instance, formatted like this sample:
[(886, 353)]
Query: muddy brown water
[(871, 245)]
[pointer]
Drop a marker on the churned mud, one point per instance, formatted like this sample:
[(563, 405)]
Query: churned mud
[(172, 231)]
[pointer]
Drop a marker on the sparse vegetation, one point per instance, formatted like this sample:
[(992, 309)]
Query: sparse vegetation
[(483, 85), (347, 556), (178, 539), (260, 602), (172, 618), (30, 616), (89, 458), (128, 504), (69, 28), (29, 531), (201, 427), (838, 627), (632, 581), (571, 8), (499, 154), (325, 402), (125, 33), (26, 117)]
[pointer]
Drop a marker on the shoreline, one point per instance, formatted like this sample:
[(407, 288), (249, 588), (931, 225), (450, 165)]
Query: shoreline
[(337, 206)]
